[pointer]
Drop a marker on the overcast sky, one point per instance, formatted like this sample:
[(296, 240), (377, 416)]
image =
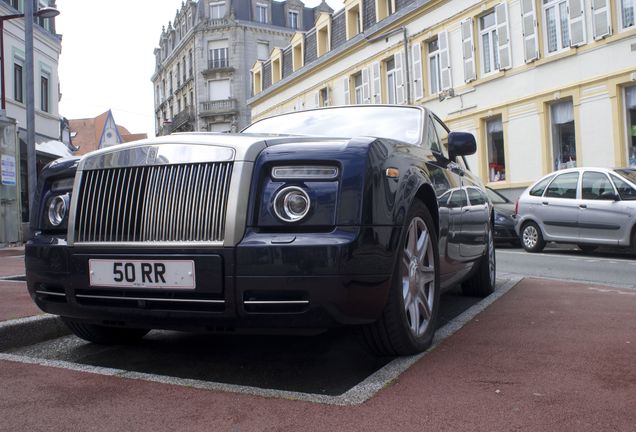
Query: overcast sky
[(107, 57)]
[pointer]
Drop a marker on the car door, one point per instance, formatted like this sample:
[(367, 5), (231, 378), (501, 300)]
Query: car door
[(474, 224), (446, 179), (602, 218), (558, 211)]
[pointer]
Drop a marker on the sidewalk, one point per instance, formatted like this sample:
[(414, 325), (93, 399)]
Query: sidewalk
[(546, 356)]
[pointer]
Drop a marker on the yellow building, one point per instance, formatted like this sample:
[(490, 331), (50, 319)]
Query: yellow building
[(543, 84)]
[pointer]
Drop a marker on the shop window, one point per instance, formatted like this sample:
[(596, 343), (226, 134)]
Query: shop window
[(496, 152), (630, 110), (563, 137)]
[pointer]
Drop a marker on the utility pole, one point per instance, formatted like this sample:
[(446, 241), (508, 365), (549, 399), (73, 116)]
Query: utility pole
[(30, 110)]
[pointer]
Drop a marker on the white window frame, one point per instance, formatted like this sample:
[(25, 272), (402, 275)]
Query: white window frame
[(491, 34), (292, 19), (262, 10), (358, 89), (217, 9), (620, 5), (434, 87), (218, 58), (391, 82), (559, 20)]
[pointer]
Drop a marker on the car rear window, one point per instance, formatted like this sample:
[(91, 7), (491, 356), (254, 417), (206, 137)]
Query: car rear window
[(563, 186), (537, 190), (625, 191)]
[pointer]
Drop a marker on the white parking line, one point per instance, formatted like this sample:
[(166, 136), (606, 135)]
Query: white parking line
[(356, 395)]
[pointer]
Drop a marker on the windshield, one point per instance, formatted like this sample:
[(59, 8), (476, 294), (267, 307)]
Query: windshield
[(393, 122), (629, 174), (495, 197)]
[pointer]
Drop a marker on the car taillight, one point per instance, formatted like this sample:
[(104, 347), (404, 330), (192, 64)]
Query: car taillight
[(517, 207)]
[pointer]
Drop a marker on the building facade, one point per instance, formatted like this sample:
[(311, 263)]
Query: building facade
[(47, 45), (202, 75), (542, 84)]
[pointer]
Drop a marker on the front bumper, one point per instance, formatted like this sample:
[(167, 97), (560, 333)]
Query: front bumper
[(308, 280)]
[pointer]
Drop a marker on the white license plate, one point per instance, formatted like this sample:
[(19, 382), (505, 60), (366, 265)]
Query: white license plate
[(177, 274)]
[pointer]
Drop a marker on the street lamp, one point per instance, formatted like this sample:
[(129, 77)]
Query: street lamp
[(46, 12)]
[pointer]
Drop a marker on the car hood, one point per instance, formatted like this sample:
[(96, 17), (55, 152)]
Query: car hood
[(195, 147)]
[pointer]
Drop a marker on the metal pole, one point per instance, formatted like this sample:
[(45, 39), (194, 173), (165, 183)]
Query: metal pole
[(4, 100), (407, 65), (30, 110)]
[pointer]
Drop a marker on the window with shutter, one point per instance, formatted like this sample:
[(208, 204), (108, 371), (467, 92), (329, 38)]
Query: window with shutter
[(377, 90), (399, 78), (468, 50), (503, 36), (601, 19), (529, 29), (345, 85), (418, 87), (366, 90), (488, 43), (556, 29), (577, 22), (626, 13), (434, 69), (445, 66)]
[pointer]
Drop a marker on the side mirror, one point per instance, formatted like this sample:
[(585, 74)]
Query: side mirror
[(609, 196), (461, 144)]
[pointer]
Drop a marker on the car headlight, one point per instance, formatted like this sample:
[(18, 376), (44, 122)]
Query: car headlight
[(291, 204), (309, 172), (58, 209)]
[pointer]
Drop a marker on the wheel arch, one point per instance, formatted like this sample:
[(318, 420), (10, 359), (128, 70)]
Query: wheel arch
[(426, 194)]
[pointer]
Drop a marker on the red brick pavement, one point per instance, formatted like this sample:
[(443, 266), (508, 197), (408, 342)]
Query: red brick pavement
[(547, 356)]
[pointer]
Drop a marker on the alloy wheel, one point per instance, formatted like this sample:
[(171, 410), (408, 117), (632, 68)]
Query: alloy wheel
[(530, 236), (418, 277)]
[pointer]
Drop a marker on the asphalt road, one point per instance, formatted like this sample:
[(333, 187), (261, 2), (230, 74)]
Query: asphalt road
[(607, 267)]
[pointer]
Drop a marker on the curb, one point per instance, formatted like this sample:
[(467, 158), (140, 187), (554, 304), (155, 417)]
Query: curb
[(32, 330)]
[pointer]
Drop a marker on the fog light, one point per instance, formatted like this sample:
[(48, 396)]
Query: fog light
[(57, 209), (291, 204)]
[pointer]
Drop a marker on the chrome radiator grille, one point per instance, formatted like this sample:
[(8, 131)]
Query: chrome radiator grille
[(164, 203)]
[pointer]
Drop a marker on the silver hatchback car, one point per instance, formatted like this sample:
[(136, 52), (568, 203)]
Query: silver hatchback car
[(586, 206)]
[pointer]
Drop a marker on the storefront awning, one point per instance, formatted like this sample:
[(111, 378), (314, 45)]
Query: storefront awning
[(53, 148)]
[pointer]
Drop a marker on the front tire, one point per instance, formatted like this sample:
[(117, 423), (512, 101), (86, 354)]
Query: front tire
[(532, 238), (409, 319), (482, 282), (104, 335)]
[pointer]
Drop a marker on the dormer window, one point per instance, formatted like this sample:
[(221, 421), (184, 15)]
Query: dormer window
[(323, 34), (353, 24), (217, 9), (262, 13), (298, 51), (292, 19), (383, 9)]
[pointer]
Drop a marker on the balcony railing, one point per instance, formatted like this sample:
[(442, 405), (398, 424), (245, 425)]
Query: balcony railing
[(183, 121), (222, 63), (225, 106)]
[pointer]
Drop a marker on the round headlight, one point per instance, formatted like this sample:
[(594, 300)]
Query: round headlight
[(291, 204), (57, 209)]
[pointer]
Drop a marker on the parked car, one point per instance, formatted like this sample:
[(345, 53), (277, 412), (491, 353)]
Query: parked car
[(586, 206), (354, 215), (504, 218)]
